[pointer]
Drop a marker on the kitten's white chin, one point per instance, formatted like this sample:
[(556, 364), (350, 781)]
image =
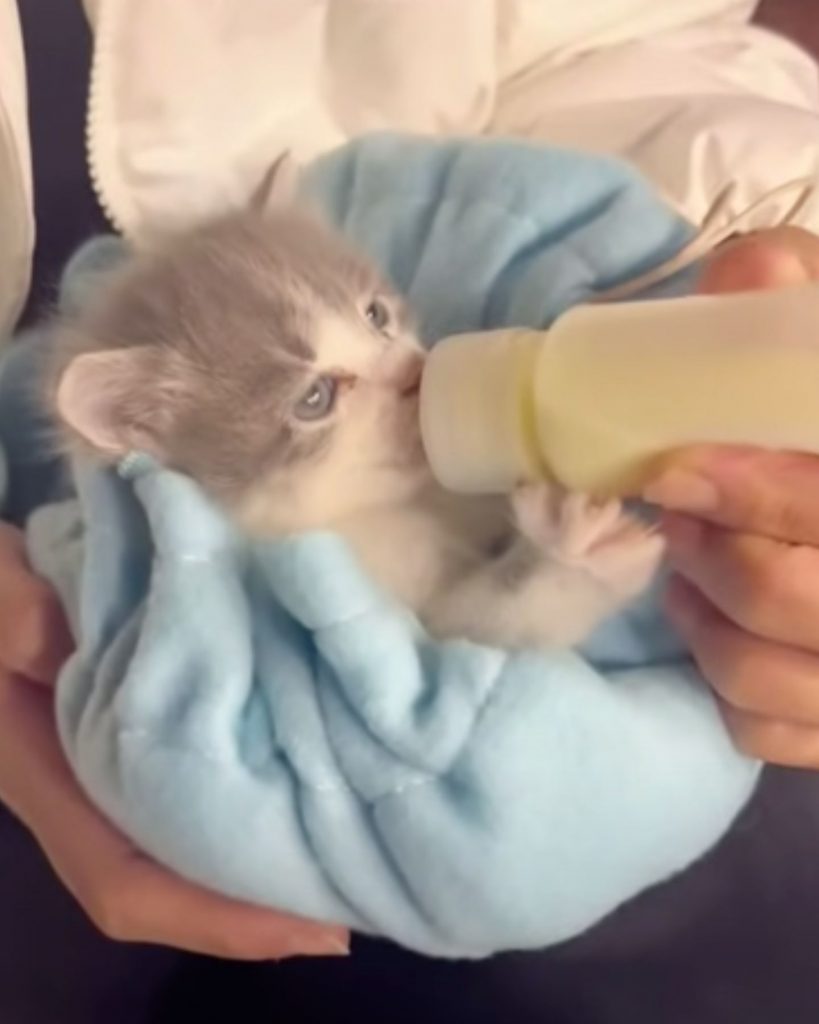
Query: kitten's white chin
[(413, 459)]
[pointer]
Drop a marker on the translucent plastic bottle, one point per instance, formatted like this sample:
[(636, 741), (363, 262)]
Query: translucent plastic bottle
[(595, 401)]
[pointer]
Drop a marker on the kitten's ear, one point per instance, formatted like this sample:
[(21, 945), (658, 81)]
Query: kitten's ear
[(279, 186), (111, 400)]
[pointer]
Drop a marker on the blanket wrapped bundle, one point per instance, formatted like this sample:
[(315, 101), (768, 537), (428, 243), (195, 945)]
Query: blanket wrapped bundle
[(261, 718)]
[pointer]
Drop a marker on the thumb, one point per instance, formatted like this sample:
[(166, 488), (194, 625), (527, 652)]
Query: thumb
[(778, 258), (772, 494)]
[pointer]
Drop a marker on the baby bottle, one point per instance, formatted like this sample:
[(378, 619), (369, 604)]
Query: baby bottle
[(594, 402)]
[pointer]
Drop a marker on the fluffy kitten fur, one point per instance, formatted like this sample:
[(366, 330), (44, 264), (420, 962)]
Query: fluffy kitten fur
[(213, 354)]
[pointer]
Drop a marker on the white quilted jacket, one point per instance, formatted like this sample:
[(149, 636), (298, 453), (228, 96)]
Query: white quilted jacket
[(191, 100)]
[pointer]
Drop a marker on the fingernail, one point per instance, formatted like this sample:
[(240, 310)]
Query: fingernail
[(323, 944), (683, 491), (336, 946)]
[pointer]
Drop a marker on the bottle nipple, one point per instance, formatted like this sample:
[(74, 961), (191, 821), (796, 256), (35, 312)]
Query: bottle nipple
[(477, 423)]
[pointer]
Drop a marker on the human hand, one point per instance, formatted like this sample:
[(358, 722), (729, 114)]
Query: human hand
[(743, 532), (126, 894)]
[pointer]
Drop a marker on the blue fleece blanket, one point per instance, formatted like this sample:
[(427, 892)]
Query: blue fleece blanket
[(261, 718)]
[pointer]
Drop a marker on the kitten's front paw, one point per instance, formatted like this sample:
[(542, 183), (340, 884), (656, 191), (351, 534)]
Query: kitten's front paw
[(565, 526), (600, 539), (537, 514)]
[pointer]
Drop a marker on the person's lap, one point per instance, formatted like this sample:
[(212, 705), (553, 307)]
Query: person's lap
[(732, 939)]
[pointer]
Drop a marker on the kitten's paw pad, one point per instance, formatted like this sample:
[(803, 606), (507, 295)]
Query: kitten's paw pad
[(585, 526), (627, 559)]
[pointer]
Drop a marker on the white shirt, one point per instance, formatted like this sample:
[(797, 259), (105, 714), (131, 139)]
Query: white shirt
[(191, 100)]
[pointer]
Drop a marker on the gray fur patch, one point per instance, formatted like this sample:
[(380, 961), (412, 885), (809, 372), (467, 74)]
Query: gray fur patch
[(230, 311)]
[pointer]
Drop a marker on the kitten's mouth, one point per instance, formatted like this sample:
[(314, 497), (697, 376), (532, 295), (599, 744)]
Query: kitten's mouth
[(409, 382), (401, 368)]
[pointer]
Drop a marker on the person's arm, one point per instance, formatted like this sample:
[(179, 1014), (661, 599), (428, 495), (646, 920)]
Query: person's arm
[(743, 532), (127, 895)]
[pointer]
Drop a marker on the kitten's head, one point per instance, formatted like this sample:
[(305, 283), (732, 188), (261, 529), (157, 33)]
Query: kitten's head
[(261, 356)]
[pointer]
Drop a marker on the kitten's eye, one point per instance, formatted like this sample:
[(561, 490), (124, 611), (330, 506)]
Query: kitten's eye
[(319, 401), (378, 315)]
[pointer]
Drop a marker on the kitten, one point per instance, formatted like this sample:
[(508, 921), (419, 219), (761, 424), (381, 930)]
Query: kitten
[(262, 356)]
